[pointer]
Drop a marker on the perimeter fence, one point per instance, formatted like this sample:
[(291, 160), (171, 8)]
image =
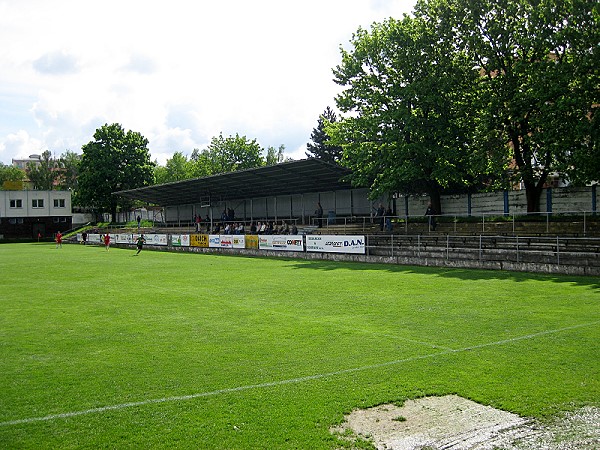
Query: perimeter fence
[(560, 251), (579, 256)]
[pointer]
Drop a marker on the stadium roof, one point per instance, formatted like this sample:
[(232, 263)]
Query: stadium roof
[(294, 177)]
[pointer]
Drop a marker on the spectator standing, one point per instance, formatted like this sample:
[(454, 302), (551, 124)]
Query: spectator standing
[(319, 215), (430, 214), (388, 219), (381, 214)]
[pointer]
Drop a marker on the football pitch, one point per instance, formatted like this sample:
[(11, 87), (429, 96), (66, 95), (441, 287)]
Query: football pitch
[(174, 350)]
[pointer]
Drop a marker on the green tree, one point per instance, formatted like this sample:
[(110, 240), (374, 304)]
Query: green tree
[(10, 173), (230, 154), (320, 147), (539, 77), (115, 160), (408, 94), (199, 164), (275, 156), (44, 174), (177, 168), (69, 162)]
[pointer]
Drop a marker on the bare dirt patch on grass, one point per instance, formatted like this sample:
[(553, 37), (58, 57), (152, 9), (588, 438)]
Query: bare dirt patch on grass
[(452, 422)]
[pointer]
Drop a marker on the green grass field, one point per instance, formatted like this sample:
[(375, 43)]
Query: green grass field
[(169, 350)]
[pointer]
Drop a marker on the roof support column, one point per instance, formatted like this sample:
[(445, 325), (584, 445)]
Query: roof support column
[(303, 211)]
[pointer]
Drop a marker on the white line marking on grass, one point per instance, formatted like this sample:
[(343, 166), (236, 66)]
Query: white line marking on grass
[(283, 382), (400, 338)]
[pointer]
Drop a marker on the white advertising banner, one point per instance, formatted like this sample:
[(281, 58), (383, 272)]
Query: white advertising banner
[(124, 238), (220, 241), (160, 239), (214, 241), (152, 239), (94, 238), (239, 241), (335, 244), (283, 242), (180, 240), (226, 241)]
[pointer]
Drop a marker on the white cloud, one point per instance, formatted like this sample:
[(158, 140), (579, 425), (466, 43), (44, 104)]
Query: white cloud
[(178, 72), (56, 63), (20, 145)]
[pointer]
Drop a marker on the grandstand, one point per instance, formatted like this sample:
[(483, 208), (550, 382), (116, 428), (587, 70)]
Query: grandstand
[(493, 232)]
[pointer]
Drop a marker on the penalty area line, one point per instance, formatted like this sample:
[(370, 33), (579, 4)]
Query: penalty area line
[(179, 398)]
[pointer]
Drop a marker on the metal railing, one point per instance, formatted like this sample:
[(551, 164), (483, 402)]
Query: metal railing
[(452, 222), (549, 250)]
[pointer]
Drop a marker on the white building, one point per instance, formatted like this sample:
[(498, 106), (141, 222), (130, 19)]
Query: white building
[(30, 213)]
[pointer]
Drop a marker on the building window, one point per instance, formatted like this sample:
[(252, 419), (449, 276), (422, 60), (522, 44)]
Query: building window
[(59, 202), (16, 203), (37, 203)]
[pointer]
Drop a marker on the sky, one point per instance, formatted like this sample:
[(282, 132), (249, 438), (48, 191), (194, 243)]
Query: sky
[(179, 72)]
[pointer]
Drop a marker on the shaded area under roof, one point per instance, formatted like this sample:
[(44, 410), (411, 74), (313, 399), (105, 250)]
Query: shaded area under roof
[(294, 177)]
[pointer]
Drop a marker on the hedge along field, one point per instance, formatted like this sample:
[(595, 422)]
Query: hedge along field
[(165, 350)]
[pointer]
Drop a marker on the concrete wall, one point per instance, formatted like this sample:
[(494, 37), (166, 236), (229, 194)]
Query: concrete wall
[(556, 200)]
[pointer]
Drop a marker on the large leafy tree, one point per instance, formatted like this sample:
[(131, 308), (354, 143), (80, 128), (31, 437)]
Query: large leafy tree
[(45, 173), (539, 63), (10, 173), (199, 164), (115, 160), (232, 153), (321, 147), (177, 168), (275, 156), (69, 162), (223, 155), (408, 94)]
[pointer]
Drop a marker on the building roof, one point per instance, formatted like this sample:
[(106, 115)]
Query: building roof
[(294, 177)]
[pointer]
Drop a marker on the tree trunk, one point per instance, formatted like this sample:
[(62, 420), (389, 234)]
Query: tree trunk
[(436, 201), (533, 192)]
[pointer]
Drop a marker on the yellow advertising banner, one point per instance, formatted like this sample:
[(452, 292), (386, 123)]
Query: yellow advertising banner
[(199, 240), (251, 241)]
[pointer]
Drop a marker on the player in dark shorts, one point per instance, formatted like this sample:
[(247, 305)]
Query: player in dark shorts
[(140, 243)]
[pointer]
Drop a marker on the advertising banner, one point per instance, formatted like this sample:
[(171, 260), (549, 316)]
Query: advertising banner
[(180, 240), (281, 242), (335, 244), (251, 241), (94, 238), (151, 239), (226, 241), (199, 240), (123, 238), (214, 241), (239, 241), (160, 239)]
